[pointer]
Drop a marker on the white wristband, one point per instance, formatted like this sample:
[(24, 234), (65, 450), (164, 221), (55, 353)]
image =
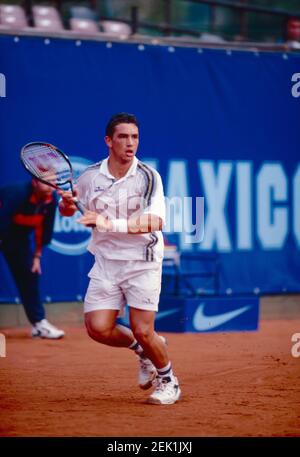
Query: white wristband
[(119, 225)]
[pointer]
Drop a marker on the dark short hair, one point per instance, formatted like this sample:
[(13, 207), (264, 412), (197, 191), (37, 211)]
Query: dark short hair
[(119, 118)]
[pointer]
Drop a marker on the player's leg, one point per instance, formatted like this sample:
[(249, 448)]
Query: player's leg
[(147, 370), (142, 326), (102, 327), (142, 290), (167, 389), (102, 303)]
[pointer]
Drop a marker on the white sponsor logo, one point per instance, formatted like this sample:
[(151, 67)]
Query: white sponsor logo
[(163, 314), (270, 196), (203, 322)]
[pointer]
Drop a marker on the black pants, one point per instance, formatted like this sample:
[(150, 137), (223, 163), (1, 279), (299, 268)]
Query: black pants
[(20, 263)]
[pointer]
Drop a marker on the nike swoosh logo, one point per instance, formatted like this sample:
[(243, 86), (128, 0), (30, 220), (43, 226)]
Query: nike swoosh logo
[(163, 314), (202, 322)]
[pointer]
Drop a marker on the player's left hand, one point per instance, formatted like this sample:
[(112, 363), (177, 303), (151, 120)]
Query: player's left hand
[(90, 219)]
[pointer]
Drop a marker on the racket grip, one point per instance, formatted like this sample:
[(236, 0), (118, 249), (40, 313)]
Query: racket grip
[(79, 206)]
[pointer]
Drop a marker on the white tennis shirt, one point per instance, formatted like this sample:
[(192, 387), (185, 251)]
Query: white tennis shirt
[(140, 191)]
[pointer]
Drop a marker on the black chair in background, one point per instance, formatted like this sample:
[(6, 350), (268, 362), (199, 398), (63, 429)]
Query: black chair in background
[(190, 274)]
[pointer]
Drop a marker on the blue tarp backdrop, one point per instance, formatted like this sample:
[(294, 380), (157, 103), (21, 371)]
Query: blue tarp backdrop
[(217, 124)]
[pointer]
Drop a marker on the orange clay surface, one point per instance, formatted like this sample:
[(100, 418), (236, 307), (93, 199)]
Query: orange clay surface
[(233, 384)]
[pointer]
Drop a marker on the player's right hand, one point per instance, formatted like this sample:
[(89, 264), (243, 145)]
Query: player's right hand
[(67, 205)]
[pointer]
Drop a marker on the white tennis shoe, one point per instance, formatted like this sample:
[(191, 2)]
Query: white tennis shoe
[(167, 391), (147, 371), (44, 329)]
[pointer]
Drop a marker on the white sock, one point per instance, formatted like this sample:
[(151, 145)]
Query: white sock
[(166, 371), (137, 348)]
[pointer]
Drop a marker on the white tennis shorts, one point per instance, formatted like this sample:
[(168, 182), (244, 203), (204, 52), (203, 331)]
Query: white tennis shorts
[(113, 283)]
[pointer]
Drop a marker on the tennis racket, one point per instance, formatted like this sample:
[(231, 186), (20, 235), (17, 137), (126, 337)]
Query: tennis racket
[(49, 165)]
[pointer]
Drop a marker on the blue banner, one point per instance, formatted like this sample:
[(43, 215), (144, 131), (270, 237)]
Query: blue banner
[(223, 125)]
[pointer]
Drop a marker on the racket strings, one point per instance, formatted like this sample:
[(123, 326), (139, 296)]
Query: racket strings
[(47, 163)]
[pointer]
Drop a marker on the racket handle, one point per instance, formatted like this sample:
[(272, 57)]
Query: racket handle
[(79, 206)]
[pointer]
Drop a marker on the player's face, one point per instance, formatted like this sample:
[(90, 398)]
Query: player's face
[(124, 142)]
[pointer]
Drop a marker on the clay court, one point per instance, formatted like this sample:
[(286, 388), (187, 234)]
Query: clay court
[(209, 155), (234, 384)]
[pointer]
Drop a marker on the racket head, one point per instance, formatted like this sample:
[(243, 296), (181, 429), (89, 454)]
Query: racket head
[(47, 163)]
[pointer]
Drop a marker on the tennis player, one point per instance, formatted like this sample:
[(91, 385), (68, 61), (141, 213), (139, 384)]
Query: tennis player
[(124, 199)]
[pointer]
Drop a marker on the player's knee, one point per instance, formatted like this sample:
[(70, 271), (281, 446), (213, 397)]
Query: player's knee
[(143, 333), (98, 331)]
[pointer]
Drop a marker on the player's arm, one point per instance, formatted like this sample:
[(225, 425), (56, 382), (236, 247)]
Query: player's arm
[(144, 224), (134, 225), (151, 220)]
